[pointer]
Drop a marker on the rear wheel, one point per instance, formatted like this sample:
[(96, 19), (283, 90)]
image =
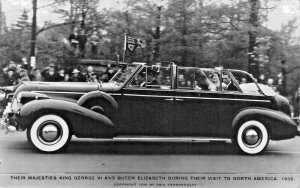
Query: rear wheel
[(49, 133), (252, 137)]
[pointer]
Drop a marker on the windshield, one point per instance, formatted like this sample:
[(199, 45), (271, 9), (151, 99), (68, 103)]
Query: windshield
[(124, 73)]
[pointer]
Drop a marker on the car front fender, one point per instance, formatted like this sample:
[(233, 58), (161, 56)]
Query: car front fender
[(97, 94), (82, 121), (279, 125)]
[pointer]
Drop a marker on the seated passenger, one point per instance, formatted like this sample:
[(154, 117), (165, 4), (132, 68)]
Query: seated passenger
[(214, 84), (151, 78), (189, 84), (139, 80), (166, 81), (181, 81), (229, 85), (243, 80)]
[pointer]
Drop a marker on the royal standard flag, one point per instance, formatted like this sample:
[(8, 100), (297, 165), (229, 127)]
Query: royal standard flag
[(133, 43)]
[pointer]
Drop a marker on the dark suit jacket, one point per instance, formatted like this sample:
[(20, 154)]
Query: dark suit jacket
[(74, 40), (231, 87)]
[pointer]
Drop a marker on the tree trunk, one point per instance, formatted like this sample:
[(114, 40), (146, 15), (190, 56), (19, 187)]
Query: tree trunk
[(199, 10), (157, 35), (33, 29), (284, 77), (253, 66), (183, 40)]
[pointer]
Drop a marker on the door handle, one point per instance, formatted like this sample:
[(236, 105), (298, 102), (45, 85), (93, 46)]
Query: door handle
[(169, 99), (179, 99)]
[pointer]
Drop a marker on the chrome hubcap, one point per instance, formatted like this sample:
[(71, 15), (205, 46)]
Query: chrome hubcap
[(251, 137), (49, 132)]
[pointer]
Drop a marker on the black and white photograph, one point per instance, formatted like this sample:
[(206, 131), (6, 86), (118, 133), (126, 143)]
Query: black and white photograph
[(150, 93)]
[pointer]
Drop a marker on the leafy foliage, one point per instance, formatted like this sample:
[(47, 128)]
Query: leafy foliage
[(188, 32)]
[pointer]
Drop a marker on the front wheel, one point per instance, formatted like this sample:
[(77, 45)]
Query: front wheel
[(252, 137), (49, 133)]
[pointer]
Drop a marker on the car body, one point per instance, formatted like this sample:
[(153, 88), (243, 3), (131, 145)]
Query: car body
[(164, 102)]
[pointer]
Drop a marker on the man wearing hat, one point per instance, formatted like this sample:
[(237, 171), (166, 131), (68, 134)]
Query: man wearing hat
[(75, 77), (49, 73), (10, 77)]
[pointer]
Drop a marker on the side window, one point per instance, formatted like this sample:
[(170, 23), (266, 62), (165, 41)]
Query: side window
[(198, 79), (186, 78), (152, 77), (207, 80), (163, 77), (201, 80), (245, 82), (139, 80)]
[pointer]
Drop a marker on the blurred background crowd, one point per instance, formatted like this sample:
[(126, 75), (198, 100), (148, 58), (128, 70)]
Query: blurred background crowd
[(13, 73), (16, 73)]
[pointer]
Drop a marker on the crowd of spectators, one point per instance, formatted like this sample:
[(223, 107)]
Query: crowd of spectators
[(14, 74)]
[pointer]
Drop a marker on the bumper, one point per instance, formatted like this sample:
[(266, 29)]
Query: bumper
[(7, 120), (297, 121)]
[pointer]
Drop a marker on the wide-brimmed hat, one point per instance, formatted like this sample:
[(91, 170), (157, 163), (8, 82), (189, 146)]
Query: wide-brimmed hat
[(75, 71)]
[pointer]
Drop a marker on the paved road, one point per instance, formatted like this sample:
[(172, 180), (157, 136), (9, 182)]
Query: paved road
[(94, 156), (91, 155)]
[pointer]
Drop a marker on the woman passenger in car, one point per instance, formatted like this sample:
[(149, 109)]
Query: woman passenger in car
[(214, 84)]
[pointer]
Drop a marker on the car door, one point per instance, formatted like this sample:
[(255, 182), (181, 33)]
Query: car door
[(233, 101), (147, 104), (196, 107)]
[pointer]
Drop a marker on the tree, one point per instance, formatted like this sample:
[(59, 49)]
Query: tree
[(22, 29), (80, 12), (153, 13), (15, 42), (180, 18), (33, 29), (254, 24)]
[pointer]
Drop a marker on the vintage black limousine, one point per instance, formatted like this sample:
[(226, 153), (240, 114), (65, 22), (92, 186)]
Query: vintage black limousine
[(164, 102)]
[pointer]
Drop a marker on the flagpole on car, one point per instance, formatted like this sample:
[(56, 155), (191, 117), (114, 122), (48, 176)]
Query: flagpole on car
[(124, 51)]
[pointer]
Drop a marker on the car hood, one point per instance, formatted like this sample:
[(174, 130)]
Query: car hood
[(70, 86)]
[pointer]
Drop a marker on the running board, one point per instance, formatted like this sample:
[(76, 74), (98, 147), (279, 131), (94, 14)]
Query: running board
[(171, 139)]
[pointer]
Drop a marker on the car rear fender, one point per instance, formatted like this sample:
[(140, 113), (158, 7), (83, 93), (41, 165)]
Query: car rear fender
[(279, 125), (82, 121)]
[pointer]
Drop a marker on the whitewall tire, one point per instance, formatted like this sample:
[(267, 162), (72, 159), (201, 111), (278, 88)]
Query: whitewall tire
[(49, 133), (252, 137)]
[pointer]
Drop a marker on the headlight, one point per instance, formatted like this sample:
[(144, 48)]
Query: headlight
[(14, 105), (19, 96)]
